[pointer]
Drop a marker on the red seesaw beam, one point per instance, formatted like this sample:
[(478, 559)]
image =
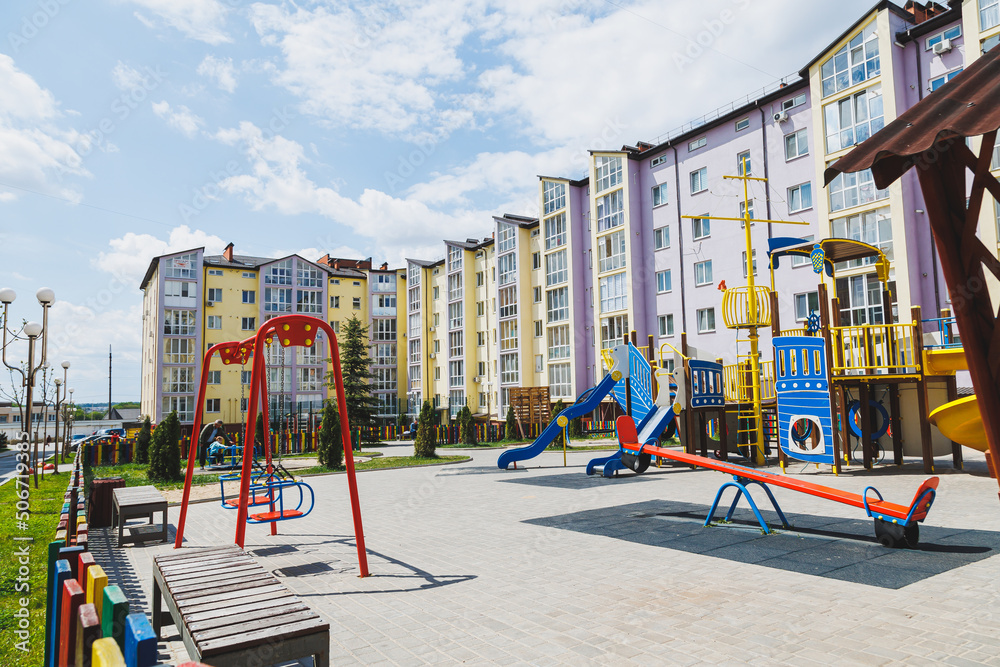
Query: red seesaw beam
[(627, 440)]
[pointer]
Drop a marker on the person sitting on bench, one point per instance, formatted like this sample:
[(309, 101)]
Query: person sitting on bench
[(217, 450)]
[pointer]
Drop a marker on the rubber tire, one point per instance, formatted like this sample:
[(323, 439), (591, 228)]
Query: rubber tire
[(852, 413), (911, 535), (887, 541), (637, 464)]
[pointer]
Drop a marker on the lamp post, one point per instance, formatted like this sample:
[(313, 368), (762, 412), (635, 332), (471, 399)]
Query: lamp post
[(55, 438), (35, 332), (60, 451), (68, 435)]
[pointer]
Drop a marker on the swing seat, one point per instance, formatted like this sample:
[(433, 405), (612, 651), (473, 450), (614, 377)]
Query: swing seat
[(254, 502), (266, 517), (277, 489)]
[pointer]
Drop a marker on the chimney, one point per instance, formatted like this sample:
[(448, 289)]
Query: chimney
[(385, 266), (336, 263), (325, 259), (227, 254)]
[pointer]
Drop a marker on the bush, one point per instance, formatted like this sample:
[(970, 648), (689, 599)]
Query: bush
[(164, 454), (331, 446), (556, 409), (511, 431), (425, 444), (467, 427), (258, 435), (142, 442)]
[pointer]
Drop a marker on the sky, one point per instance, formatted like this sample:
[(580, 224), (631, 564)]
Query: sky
[(131, 128)]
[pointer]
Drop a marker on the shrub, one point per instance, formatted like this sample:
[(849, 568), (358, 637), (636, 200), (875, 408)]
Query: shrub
[(331, 446), (142, 442), (556, 409), (425, 443), (511, 431), (467, 427), (164, 454)]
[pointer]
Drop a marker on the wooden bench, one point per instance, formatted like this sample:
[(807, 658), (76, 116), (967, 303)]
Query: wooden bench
[(138, 501), (230, 611)]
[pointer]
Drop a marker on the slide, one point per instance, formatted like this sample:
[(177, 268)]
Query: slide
[(959, 421), (662, 418), (587, 402)]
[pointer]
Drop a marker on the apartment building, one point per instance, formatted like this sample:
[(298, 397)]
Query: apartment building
[(193, 301)]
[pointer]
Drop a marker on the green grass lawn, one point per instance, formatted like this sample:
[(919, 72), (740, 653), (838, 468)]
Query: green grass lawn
[(46, 505), (384, 462)]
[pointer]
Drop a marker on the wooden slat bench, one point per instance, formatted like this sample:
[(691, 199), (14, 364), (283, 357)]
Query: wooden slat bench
[(230, 611), (139, 501)]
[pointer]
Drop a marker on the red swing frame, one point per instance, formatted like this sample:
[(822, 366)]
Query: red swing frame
[(291, 331)]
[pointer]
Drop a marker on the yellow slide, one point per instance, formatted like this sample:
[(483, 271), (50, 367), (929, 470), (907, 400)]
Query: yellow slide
[(959, 421)]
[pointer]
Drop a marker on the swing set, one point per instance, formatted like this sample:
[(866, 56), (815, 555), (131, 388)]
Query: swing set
[(268, 486)]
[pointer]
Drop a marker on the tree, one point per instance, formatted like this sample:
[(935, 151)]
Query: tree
[(142, 442), (467, 427), (556, 409), (425, 443), (258, 435), (576, 428), (164, 455), (355, 365), (331, 445), (511, 433)]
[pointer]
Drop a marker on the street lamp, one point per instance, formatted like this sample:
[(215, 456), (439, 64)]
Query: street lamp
[(34, 331), (60, 453), (68, 435)]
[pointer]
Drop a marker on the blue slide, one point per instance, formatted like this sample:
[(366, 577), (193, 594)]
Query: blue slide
[(660, 419), (589, 400)]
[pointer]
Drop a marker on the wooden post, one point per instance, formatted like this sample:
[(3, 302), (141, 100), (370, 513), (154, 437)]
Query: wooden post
[(775, 316), (703, 432), (897, 425), (687, 420), (723, 434), (925, 426), (653, 389), (867, 446), (845, 430), (956, 449)]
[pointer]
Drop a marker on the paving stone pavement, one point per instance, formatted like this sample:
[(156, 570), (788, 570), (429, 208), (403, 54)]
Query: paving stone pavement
[(470, 565)]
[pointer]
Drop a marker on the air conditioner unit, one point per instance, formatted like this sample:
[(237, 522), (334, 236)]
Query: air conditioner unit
[(209, 303), (781, 117), (431, 328), (944, 46), (432, 355)]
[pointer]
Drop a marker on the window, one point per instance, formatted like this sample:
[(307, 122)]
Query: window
[(610, 211), (508, 302), (279, 274), (742, 124), (665, 323), (557, 304), (455, 315), (179, 322), (611, 252), (308, 276), (805, 305), (437, 372), (179, 351), (213, 322), (480, 338), (508, 335), (249, 274), (607, 172), (796, 144), (560, 383), (659, 194), (855, 63), (699, 180), (215, 272), (661, 238), (437, 319), (247, 323), (613, 330), (743, 163), (507, 266), (872, 227), (706, 320), (456, 345), (853, 119), (505, 238), (181, 266), (277, 299), (481, 308), (700, 142), (308, 379), (539, 363), (183, 405), (537, 294), (455, 287), (799, 260), (538, 328), (358, 283), (553, 197), (414, 351), (657, 161), (793, 102), (213, 405), (245, 377), (937, 82), (214, 294), (335, 302), (614, 293), (335, 325), (437, 346), (800, 197), (413, 274), (309, 301), (182, 289), (334, 281), (536, 260), (663, 281), (746, 211), (309, 356), (989, 14), (988, 43), (558, 347), (436, 292), (700, 228), (860, 300), (508, 368), (178, 380), (703, 273), (356, 303), (480, 279), (386, 302), (745, 263), (384, 329), (454, 258), (456, 401), (850, 190), (555, 268), (950, 33), (385, 380)]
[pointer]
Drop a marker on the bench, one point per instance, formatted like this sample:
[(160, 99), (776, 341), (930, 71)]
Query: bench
[(138, 501), (230, 611)]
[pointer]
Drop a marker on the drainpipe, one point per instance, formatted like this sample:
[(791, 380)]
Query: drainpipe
[(680, 236), (934, 257)]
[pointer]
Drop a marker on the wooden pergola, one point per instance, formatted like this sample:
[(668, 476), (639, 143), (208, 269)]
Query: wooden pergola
[(931, 138)]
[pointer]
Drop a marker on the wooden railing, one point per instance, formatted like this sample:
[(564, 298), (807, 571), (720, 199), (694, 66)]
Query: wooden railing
[(875, 349)]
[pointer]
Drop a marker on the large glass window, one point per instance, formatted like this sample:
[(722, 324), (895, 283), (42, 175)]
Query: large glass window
[(178, 380), (308, 379), (508, 335), (508, 302), (611, 252), (706, 320), (456, 373), (555, 268), (507, 268), (413, 274), (608, 172), (455, 315), (871, 227), (700, 228), (855, 63), (613, 330), (610, 211), (796, 144), (414, 351), (179, 351), (384, 329), (614, 293), (853, 119), (558, 342), (860, 299), (661, 238), (179, 288), (184, 405), (179, 322), (703, 273), (557, 304), (506, 237), (456, 347), (385, 379), (849, 190), (665, 324), (182, 266), (659, 194), (309, 301), (454, 258), (805, 305), (939, 81), (553, 197), (989, 14), (555, 231), (560, 384), (800, 197), (663, 282), (699, 180), (277, 299), (455, 287), (508, 368), (308, 276), (279, 273)]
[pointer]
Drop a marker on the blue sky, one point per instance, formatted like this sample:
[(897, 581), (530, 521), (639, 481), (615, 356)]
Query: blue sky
[(129, 128)]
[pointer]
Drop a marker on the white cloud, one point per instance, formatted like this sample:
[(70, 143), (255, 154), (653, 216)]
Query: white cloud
[(202, 20), (127, 77), (129, 256), (35, 149), (180, 118), (220, 70)]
